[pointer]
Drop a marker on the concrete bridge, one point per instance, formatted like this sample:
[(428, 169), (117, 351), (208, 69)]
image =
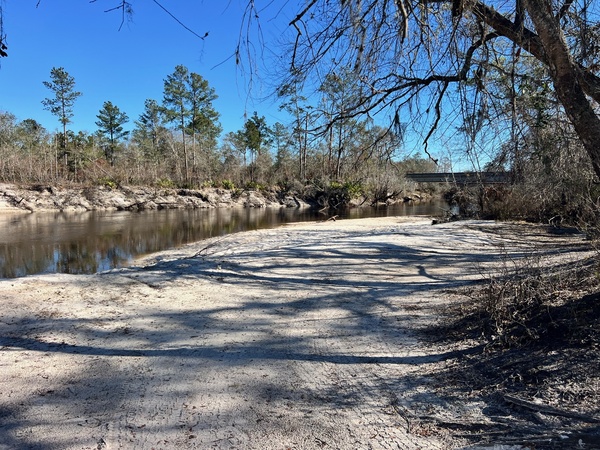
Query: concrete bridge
[(461, 177)]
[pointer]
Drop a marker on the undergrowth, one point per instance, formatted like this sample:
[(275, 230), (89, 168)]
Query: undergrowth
[(530, 301), (532, 332)]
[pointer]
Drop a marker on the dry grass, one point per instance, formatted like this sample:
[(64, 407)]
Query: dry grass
[(538, 328)]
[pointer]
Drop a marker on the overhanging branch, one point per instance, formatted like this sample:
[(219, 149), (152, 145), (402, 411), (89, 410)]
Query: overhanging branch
[(530, 42)]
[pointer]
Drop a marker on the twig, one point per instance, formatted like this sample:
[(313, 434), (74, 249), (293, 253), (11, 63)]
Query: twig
[(547, 409), (180, 22), (213, 243)]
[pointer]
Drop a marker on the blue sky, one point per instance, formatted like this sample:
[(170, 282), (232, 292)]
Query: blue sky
[(128, 66)]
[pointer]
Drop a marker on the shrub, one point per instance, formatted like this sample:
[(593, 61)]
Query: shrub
[(108, 182), (354, 189), (228, 184), (254, 186), (165, 183)]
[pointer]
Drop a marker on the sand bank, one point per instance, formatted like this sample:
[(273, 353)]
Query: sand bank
[(302, 337)]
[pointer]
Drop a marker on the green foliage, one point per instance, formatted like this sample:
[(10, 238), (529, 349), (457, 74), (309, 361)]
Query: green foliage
[(188, 101), (176, 95), (110, 127), (63, 86), (108, 182), (254, 186), (150, 133), (203, 118), (165, 183), (228, 184), (209, 184), (350, 189), (355, 189), (255, 137)]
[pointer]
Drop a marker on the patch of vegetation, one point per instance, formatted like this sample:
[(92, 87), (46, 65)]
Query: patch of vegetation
[(228, 184), (533, 340), (165, 183), (108, 182), (255, 186)]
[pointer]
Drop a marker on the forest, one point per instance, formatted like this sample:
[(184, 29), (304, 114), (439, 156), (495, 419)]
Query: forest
[(178, 142), (514, 85)]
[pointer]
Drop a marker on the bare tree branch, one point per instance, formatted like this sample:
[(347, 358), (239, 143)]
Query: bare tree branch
[(564, 8), (180, 22), (438, 116)]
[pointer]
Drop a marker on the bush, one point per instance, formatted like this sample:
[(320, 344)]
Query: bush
[(108, 182), (516, 305), (228, 184), (354, 189), (209, 184), (165, 183), (254, 186)]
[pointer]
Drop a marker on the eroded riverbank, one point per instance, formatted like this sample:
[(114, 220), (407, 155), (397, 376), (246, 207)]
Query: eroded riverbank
[(139, 198)]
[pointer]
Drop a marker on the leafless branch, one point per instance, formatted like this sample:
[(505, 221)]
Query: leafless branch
[(303, 12), (180, 22), (125, 7), (564, 8), (402, 10), (438, 115)]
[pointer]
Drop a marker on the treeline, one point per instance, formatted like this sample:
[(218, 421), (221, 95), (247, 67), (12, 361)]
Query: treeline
[(178, 142)]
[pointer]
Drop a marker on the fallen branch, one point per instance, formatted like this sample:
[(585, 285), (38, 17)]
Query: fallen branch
[(212, 244), (547, 409)]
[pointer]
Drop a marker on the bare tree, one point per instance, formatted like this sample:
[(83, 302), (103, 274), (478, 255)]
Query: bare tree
[(407, 54)]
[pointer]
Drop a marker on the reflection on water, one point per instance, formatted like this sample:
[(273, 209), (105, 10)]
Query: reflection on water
[(95, 241)]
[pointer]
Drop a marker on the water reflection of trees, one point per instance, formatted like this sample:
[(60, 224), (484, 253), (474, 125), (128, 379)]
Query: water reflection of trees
[(95, 241), (89, 242)]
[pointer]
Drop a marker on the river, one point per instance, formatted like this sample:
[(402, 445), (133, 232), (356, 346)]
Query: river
[(90, 242)]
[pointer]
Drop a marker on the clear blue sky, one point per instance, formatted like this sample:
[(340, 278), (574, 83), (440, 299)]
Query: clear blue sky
[(127, 66)]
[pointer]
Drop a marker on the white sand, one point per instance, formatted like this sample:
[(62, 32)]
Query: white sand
[(300, 337)]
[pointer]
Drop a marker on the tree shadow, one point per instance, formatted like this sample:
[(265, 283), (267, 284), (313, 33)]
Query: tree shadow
[(381, 290)]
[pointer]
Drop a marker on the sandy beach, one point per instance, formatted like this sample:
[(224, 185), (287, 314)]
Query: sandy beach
[(300, 337)]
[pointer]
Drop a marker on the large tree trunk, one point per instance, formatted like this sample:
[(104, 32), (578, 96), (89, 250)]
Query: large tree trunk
[(567, 82), (531, 42)]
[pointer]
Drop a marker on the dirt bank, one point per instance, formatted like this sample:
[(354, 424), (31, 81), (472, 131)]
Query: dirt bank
[(140, 198), (136, 198), (303, 337)]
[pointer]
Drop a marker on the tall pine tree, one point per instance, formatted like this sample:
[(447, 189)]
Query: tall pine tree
[(110, 126), (175, 103), (63, 86)]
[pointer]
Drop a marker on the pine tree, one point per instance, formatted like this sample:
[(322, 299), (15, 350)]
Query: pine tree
[(110, 123), (149, 129), (63, 86), (175, 103), (256, 136), (204, 119)]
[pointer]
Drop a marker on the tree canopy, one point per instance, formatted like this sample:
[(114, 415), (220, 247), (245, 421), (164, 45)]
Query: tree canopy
[(408, 55)]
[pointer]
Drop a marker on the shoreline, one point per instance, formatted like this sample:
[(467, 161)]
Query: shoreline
[(267, 339), (91, 241), (143, 198)]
